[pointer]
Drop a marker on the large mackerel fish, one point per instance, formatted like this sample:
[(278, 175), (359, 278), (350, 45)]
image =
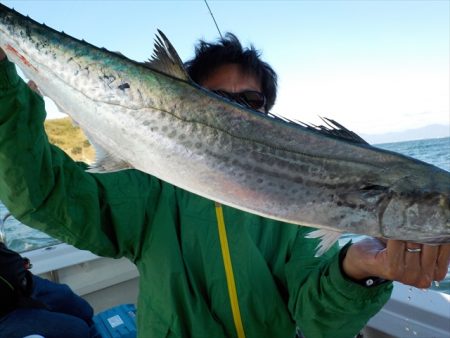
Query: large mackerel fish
[(152, 117)]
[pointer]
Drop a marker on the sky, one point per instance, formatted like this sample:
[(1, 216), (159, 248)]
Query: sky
[(374, 66)]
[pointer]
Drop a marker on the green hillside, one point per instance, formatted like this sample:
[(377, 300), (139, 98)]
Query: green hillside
[(70, 138)]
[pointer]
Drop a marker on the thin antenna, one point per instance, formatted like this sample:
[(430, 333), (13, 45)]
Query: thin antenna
[(214, 19)]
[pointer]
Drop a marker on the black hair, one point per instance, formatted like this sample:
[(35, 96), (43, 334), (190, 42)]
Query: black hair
[(209, 56)]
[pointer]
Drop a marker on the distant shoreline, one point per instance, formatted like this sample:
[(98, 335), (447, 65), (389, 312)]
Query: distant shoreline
[(420, 139), (427, 132)]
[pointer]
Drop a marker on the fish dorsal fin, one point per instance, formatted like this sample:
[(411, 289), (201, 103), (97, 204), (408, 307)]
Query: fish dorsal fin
[(336, 130), (165, 59), (327, 239), (331, 128)]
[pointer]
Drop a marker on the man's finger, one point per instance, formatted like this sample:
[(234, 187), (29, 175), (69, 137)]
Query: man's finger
[(396, 258), (34, 87), (428, 262), (443, 260)]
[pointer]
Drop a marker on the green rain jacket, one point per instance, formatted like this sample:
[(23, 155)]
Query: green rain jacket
[(172, 237)]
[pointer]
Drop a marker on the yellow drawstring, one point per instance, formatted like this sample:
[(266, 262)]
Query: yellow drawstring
[(229, 272)]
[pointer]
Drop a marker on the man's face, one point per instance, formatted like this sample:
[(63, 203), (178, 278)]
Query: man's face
[(230, 78)]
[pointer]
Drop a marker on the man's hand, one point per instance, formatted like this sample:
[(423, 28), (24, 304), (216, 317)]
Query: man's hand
[(33, 86), (408, 263)]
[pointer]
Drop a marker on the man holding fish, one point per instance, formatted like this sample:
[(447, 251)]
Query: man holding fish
[(206, 269)]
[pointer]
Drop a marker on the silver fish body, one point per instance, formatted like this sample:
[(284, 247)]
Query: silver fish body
[(153, 118)]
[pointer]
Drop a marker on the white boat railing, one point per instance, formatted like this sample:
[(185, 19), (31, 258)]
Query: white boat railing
[(416, 313), (81, 269)]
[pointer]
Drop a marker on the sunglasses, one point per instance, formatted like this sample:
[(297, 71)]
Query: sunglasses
[(249, 98)]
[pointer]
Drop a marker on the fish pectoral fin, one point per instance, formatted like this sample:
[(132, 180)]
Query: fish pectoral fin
[(165, 59), (327, 239), (104, 161), (108, 164)]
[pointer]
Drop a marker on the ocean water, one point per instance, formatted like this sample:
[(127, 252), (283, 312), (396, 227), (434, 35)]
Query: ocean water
[(435, 151)]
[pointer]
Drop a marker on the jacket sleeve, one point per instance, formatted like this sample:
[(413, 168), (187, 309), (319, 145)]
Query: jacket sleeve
[(44, 188), (322, 300)]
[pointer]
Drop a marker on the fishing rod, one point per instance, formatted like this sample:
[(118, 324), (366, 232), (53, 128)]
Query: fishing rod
[(214, 19)]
